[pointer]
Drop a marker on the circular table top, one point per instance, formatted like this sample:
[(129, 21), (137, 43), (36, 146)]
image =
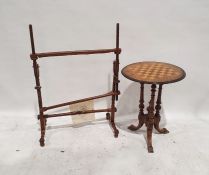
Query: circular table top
[(150, 72)]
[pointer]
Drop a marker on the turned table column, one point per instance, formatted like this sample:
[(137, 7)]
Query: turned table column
[(154, 73), (141, 116), (157, 113), (150, 118)]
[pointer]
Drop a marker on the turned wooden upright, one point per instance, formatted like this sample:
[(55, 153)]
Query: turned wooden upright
[(110, 111), (154, 73)]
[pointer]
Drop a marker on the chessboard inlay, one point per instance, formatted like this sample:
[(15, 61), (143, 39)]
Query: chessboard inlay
[(153, 72)]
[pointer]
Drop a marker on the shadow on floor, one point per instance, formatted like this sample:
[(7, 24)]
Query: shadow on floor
[(128, 107)]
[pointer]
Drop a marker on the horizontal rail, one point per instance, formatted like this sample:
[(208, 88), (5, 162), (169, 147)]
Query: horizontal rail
[(81, 100), (78, 112), (77, 52)]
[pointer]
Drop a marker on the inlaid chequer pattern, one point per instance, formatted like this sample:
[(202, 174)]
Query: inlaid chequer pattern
[(153, 72)]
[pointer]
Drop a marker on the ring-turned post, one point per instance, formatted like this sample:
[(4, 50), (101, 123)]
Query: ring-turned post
[(37, 87), (154, 73)]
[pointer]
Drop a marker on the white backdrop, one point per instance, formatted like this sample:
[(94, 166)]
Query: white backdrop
[(174, 31), (170, 31)]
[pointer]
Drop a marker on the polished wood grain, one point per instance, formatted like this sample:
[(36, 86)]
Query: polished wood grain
[(76, 52), (110, 112), (152, 73)]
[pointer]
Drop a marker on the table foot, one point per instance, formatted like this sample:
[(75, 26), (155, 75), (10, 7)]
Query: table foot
[(149, 136), (133, 127), (140, 124), (157, 127), (112, 125), (162, 130)]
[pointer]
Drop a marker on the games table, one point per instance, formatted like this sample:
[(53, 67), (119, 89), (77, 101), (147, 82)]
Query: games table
[(154, 73)]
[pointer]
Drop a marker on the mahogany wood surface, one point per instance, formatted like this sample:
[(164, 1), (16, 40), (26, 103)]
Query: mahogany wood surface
[(110, 112), (81, 100), (77, 52), (152, 73)]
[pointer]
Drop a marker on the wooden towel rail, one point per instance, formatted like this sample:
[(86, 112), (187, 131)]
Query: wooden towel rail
[(110, 112)]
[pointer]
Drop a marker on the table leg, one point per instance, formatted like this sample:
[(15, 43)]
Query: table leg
[(150, 119), (157, 114), (141, 116)]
